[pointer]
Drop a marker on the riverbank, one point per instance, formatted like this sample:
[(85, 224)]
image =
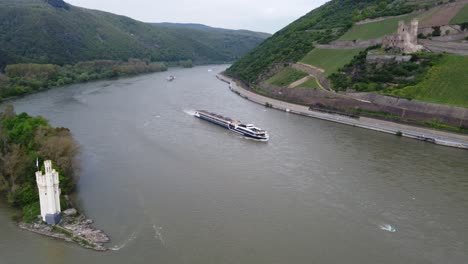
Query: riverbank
[(73, 227), (28, 139), (419, 133), (24, 79)]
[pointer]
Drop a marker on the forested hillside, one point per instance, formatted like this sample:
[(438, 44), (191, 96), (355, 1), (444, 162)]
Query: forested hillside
[(232, 44), (52, 31), (320, 26)]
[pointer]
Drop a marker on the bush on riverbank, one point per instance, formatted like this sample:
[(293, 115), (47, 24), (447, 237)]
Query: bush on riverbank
[(186, 63), (24, 138), (21, 79), (31, 211)]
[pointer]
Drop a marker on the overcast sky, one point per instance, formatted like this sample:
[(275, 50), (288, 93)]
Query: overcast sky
[(259, 15)]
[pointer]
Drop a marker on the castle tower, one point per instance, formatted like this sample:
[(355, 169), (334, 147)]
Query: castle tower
[(406, 38), (49, 194), (414, 31), (401, 27)]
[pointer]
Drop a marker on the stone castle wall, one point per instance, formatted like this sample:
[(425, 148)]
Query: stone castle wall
[(406, 38)]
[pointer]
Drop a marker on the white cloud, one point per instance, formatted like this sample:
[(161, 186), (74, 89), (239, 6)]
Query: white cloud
[(261, 15)]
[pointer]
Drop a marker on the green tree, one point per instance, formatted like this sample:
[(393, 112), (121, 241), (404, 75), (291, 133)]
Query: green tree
[(24, 138)]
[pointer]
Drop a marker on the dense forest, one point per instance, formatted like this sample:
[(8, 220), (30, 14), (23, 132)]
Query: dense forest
[(21, 79), (39, 31), (23, 139)]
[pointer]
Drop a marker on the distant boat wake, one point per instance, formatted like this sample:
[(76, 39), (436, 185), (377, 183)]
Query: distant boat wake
[(158, 234), (148, 122), (132, 237), (80, 99), (388, 228)]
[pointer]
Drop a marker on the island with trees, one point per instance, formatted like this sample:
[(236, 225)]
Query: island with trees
[(24, 140)]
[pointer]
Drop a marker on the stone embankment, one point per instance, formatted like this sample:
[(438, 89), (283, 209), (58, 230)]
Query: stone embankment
[(377, 19), (456, 116), (459, 48), (73, 227), (350, 44), (455, 37), (387, 58), (420, 133)]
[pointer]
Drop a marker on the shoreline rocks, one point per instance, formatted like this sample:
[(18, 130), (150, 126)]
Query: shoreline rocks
[(73, 227)]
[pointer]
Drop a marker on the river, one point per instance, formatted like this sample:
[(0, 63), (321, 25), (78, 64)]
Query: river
[(170, 188)]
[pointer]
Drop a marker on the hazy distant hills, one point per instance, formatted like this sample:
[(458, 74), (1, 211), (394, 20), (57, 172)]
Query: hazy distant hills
[(208, 28), (188, 25), (232, 44), (52, 31)]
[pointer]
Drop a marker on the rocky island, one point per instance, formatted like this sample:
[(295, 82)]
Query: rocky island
[(74, 227), (25, 140)]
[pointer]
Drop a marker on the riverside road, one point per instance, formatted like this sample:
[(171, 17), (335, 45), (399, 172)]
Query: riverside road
[(429, 135)]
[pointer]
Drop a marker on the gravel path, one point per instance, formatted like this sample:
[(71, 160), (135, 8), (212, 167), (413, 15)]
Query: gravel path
[(299, 82), (315, 72)]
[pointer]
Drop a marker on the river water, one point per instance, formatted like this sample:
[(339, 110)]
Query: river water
[(170, 188)]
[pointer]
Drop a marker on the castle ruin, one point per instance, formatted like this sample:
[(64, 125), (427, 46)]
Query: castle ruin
[(406, 38)]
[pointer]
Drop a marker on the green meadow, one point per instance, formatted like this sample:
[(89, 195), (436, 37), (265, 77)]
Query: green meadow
[(286, 76), (461, 17), (444, 83), (310, 84), (329, 60), (375, 29)]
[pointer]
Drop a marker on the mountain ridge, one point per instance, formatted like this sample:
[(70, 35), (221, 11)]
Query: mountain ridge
[(208, 28), (53, 31), (319, 26), (387, 68)]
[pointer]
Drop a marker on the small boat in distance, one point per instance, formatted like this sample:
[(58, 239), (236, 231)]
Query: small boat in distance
[(170, 78), (247, 130)]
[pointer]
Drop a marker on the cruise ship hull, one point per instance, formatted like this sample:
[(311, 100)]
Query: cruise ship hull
[(212, 120), (228, 124)]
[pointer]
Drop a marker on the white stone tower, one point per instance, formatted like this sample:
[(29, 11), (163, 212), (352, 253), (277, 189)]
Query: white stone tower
[(49, 193)]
